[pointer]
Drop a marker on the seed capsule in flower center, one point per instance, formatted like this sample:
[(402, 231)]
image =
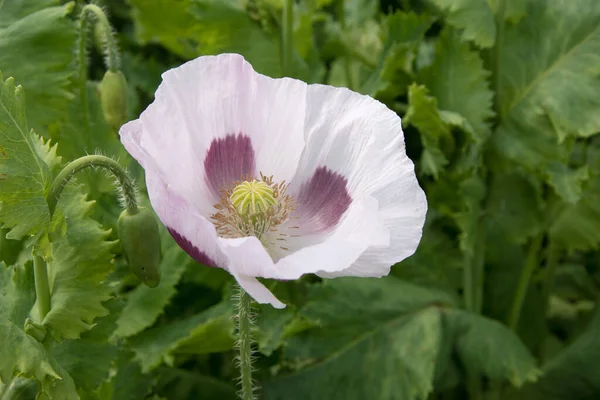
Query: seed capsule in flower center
[(254, 208), (251, 198)]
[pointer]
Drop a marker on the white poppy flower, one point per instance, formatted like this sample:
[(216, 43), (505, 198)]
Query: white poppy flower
[(275, 178)]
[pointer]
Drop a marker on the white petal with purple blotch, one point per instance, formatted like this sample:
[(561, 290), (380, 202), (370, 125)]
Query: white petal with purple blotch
[(362, 140), (359, 208)]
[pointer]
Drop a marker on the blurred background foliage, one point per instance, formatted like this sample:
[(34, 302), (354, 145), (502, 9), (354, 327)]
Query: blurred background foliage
[(500, 101)]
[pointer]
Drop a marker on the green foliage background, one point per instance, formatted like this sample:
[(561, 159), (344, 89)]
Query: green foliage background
[(500, 101)]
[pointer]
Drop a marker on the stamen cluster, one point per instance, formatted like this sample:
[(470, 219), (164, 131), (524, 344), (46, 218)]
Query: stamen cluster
[(252, 207)]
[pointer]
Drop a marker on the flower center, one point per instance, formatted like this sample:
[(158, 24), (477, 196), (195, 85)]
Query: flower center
[(253, 208), (251, 198)]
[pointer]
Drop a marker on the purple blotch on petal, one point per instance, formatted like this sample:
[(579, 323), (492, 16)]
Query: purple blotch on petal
[(192, 250), (227, 160), (322, 201)]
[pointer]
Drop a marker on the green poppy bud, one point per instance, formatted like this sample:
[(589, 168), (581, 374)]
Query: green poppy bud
[(113, 96), (140, 241)]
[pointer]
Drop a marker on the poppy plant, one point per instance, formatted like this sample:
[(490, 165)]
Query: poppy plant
[(275, 178)]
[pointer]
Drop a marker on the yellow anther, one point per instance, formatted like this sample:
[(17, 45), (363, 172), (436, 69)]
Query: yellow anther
[(251, 198)]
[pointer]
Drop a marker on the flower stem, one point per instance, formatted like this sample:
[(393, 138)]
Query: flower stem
[(109, 43), (473, 272), (42, 288), (531, 262), (244, 321), (111, 54), (96, 161), (82, 63), (473, 280), (287, 37)]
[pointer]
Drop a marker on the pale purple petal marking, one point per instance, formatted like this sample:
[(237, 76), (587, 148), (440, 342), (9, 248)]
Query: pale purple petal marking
[(192, 250), (322, 201), (227, 160)]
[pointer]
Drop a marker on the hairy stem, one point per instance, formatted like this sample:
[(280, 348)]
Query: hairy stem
[(42, 288), (90, 13), (82, 73), (244, 321), (109, 43), (531, 262), (287, 38), (95, 161)]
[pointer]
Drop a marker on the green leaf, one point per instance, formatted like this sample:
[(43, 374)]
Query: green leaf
[(515, 206), (20, 353), (12, 11), (395, 70), (145, 304), (226, 28), (183, 384), (129, 383), (573, 282), (573, 373), (437, 262), (375, 339), (203, 27), (514, 10), (504, 260), (436, 134), (80, 261), (271, 324), (577, 227), (474, 18), (89, 359), (75, 139), (23, 174), (490, 348), (468, 219), (167, 22), (45, 72), (210, 331), (567, 183), (549, 81), (18, 389), (459, 82)]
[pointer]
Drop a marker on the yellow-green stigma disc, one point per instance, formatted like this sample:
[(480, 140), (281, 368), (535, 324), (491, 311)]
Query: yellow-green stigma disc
[(250, 198)]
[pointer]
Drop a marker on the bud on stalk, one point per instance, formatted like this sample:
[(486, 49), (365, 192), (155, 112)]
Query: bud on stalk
[(140, 240), (113, 97)]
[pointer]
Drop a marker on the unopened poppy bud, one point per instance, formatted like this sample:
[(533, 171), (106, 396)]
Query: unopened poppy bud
[(140, 240), (113, 96)]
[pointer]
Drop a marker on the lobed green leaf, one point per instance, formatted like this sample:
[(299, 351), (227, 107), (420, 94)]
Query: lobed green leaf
[(21, 354), (474, 18), (210, 331), (80, 260), (459, 82), (45, 72), (24, 176), (549, 80)]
